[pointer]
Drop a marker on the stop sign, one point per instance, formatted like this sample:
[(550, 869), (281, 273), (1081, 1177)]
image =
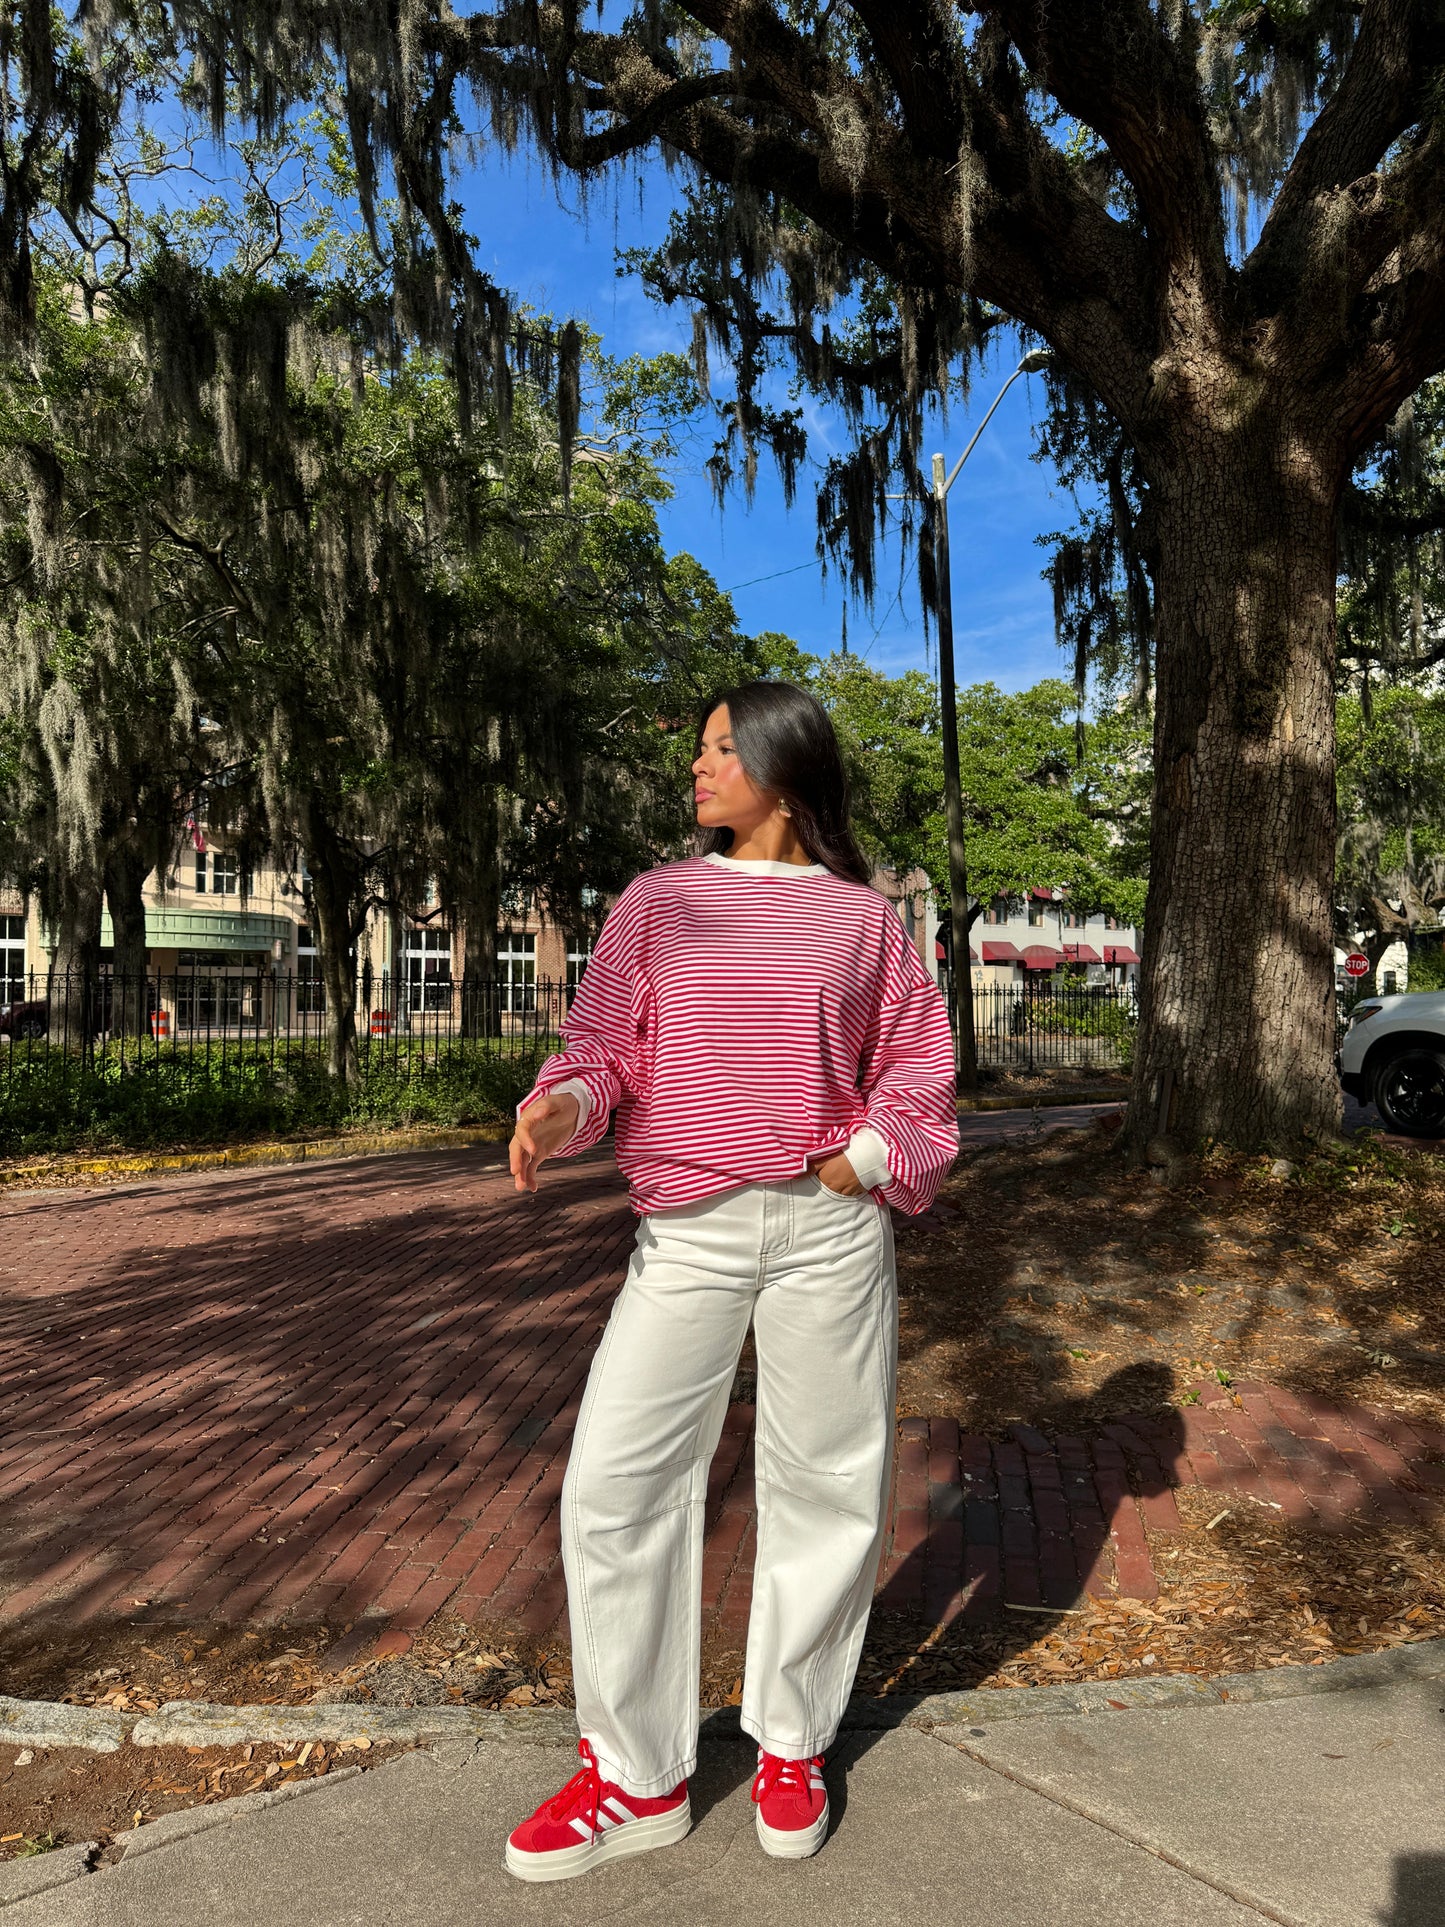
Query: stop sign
[(1357, 964)]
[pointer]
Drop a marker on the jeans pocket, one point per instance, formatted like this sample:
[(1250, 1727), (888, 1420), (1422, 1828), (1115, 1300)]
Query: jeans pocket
[(842, 1197)]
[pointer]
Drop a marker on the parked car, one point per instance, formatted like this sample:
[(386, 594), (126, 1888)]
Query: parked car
[(1393, 1056), (28, 1019), (31, 1019)]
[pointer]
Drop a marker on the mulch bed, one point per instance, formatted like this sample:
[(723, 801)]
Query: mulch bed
[(447, 1665), (1064, 1290), (56, 1796)]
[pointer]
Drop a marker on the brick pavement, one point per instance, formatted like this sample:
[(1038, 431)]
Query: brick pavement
[(317, 1394)]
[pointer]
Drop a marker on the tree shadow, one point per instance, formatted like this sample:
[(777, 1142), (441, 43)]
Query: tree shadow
[(1088, 1256), (228, 1382), (228, 1388)]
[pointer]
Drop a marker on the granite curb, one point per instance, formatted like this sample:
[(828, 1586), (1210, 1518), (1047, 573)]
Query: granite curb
[(1045, 1101), (199, 1723), (374, 1144)]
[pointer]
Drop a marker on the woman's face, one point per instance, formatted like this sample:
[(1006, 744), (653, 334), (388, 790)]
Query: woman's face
[(726, 796)]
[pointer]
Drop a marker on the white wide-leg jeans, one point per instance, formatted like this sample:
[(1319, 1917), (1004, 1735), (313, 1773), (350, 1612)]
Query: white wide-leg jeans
[(813, 1271)]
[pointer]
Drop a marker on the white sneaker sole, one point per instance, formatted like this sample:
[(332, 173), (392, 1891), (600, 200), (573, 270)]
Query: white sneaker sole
[(634, 1836), (787, 1844)]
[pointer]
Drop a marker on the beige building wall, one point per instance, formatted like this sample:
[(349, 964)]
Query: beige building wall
[(200, 927)]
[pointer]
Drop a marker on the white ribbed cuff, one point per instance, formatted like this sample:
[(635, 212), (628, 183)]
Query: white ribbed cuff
[(868, 1155)]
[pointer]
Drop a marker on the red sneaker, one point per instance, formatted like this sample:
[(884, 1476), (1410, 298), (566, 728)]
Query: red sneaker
[(590, 1821), (792, 1806)]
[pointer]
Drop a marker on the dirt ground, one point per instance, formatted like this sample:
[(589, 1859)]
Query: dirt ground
[(56, 1796), (1065, 1290), (1023, 1086)]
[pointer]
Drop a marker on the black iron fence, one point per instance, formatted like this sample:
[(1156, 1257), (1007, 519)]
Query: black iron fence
[(1055, 1024), (214, 1018), (216, 1054)]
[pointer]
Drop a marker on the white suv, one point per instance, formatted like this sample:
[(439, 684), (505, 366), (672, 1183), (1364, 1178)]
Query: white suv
[(1394, 1056)]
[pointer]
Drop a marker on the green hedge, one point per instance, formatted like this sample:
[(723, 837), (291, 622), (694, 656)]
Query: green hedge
[(51, 1103), (1427, 965)]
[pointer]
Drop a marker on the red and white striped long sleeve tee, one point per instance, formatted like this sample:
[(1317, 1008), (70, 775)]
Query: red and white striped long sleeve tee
[(744, 1019)]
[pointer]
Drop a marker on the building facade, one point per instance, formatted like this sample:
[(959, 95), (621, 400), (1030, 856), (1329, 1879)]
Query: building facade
[(222, 946)]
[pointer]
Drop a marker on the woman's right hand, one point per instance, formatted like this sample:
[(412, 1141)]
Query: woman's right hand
[(542, 1129)]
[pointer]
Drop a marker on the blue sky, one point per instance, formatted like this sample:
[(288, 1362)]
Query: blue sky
[(534, 242)]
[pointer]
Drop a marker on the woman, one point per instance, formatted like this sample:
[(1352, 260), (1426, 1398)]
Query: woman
[(781, 1069)]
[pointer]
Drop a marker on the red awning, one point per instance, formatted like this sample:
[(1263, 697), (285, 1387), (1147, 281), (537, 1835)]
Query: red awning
[(1001, 953), (1082, 953), (1039, 956), (942, 954), (1120, 953)]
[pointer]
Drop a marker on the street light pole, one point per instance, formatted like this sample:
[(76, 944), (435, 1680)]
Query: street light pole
[(961, 985)]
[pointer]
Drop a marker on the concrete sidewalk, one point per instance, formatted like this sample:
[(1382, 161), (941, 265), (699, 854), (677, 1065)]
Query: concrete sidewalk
[(1324, 1810)]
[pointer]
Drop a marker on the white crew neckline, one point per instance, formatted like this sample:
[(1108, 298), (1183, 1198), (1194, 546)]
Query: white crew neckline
[(761, 867)]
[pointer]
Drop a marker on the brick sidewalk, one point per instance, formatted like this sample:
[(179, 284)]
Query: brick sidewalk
[(321, 1393)]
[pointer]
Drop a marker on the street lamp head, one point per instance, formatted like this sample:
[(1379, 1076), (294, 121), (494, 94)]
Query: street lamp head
[(1035, 360)]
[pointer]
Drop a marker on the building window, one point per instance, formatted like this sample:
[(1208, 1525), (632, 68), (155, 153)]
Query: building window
[(579, 955), (997, 911), (200, 872), (223, 1002), (1036, 912), (1389, 983), (429, 969), (517, 968), (310, 991), (12, 959), (225, 877)]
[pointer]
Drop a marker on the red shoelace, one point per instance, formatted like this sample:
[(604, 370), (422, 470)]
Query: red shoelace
[(583, 1792), (775, 1772)]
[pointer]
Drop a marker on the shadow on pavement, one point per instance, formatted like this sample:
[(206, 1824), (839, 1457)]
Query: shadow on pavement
[(1419, 1896), (265, 1366)]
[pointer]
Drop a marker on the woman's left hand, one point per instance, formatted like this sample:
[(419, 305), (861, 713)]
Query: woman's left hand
[(837, 1174)]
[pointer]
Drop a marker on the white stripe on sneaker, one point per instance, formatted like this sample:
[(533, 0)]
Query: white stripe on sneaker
[(579, 1825)]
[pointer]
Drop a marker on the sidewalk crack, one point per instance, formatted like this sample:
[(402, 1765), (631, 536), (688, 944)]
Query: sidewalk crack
[(1239, 1895)]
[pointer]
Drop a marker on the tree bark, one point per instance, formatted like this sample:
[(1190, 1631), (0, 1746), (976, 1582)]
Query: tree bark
[(478, 906), (336, 880), (1237, 991), (126, 870), (74, 999)]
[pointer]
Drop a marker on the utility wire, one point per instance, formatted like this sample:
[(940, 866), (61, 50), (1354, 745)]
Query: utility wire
[(752, 584)]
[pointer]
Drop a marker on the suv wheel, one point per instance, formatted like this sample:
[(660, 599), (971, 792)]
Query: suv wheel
[(30, 1028), (1410, 1093)]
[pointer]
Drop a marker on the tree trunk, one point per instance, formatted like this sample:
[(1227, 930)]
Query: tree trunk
[(335, 891), (74, 994), (1237, 1016), (478, 905), (126, 870)]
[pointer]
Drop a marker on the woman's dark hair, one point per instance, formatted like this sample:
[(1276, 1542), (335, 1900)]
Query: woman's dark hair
[(785, 741)]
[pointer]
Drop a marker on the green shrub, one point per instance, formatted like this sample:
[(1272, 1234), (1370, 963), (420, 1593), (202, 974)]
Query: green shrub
[(1427, 965), (147, 1099)]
